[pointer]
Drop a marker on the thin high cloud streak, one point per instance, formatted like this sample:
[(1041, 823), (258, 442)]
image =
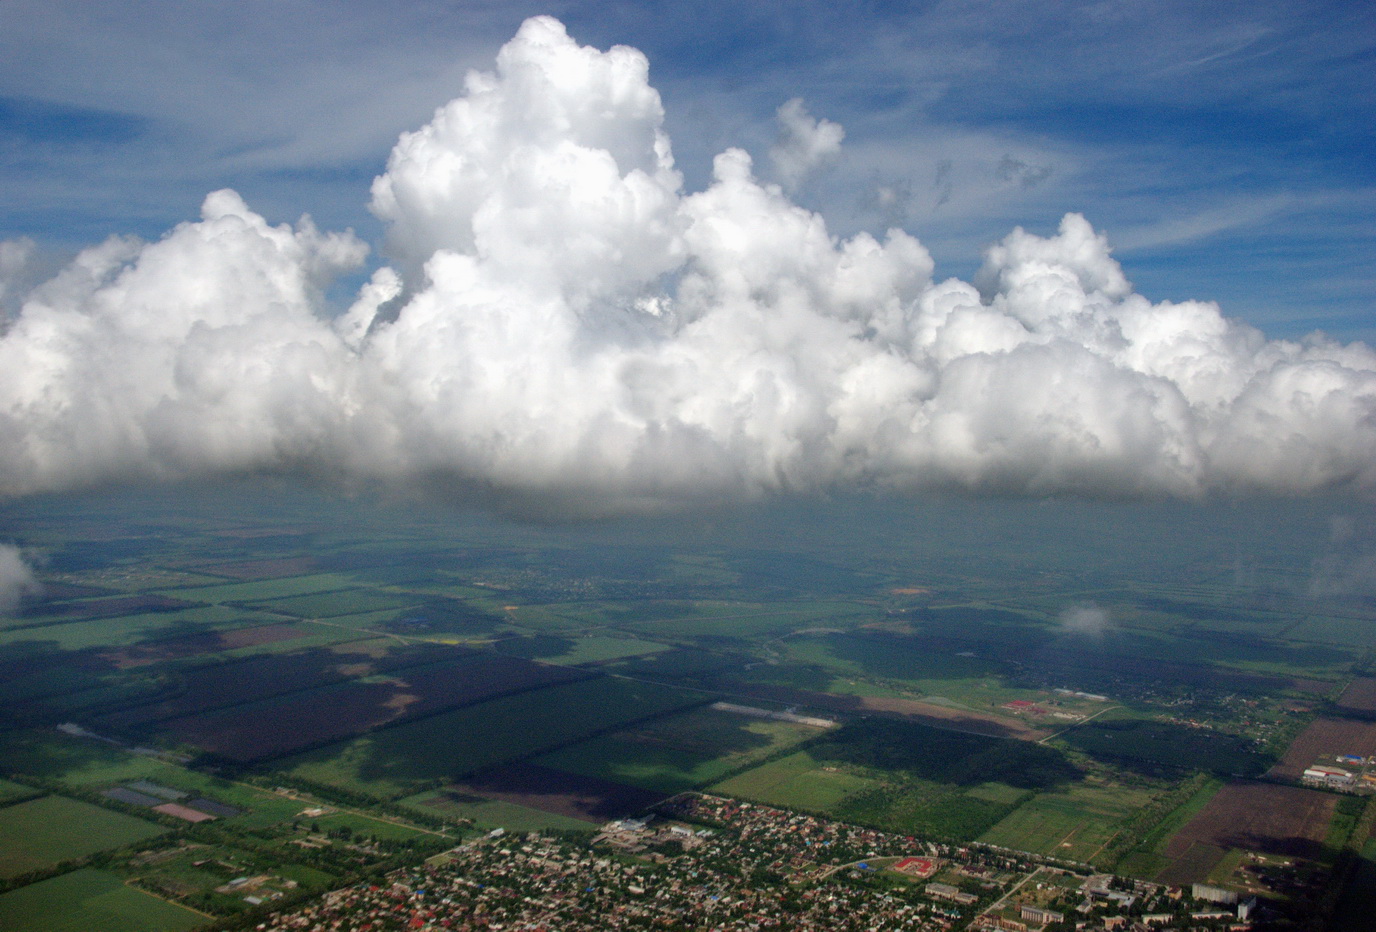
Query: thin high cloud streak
[(561, 320)]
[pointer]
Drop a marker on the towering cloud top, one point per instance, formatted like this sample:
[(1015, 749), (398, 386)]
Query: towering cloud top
[(561, 319)]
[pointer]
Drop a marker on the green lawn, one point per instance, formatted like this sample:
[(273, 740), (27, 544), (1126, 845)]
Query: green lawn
[(90, 901), (46, 831)]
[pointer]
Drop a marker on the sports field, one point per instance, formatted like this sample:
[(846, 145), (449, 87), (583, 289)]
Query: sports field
[(52, 829)]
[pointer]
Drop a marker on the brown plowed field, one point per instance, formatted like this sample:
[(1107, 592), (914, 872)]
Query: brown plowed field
[(1284, 820), (210, 642), (573, 795), (310, 718), (1360, 696), (1194, 866), (928, 713), (1325, 736)]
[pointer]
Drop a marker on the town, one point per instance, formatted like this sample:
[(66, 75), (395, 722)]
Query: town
[(706, 862)]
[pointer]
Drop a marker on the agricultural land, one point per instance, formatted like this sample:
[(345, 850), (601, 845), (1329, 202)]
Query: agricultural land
[(225, 704)]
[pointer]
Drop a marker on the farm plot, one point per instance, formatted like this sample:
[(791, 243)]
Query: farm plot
[(913, 710), (574, 796), (487, 814), (114, 607), (125, 629), (797, 781), (1075, 822), (1345, 632), (587, 649), (217, 686), (1325, 736), (1283, 820), (709, 619), (11, 791), (400, 760), (1360, 696), (210, 642), (45, 831), (300, 720), (340, 602), (260, 590), (272, 568), (90, 901), (681, 752)]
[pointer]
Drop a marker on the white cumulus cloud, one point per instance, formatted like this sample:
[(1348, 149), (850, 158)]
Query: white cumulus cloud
[(16, 579), (1086, 620), (804, 144), (560, 320)]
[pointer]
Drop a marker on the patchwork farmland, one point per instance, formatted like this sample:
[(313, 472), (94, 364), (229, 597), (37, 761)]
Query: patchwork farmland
[(345, 692)]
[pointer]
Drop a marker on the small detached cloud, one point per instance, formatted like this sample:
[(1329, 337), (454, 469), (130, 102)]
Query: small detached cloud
[(560, 321), (1087, 620), (17, 581), (804, 143)]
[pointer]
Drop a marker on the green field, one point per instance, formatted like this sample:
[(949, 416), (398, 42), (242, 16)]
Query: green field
[(488, 814), (1208, 620), (46, 831), (342, 602), (76, 761), (131, 629), (797, 781), (679, 753), (712, 619), (1147, 858), (579, 650), (90, 901), (399, 761), (1076, 822), (262, 589), (362, 825), (11, 791)]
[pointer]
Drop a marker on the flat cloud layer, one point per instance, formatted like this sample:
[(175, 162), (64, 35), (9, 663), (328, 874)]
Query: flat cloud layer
[(561, 319)]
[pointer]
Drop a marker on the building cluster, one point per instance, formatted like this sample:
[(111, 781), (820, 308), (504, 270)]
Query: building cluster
[(705, 863), (1349, 775)]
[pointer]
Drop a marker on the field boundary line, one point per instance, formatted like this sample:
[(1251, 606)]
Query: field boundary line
[(133, 880), (1084, 721)]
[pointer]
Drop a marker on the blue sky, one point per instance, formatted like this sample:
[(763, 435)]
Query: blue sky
[(1225, 148)]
